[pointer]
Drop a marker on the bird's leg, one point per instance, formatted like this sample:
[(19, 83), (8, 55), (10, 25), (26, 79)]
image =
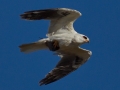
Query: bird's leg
[(52, 45), (55, 43)]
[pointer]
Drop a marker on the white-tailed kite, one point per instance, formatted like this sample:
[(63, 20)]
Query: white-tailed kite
[(62, 39)]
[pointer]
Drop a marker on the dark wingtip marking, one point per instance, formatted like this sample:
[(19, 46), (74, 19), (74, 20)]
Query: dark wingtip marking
[(31, 16)]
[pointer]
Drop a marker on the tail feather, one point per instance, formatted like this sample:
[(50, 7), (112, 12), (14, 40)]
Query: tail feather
[(30, 47)]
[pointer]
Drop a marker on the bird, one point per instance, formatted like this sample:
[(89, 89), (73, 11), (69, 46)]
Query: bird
[(61, 39)]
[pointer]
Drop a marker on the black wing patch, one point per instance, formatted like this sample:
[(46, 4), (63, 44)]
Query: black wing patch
[(63, 68)]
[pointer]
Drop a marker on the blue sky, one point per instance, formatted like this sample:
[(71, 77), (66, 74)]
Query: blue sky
[(100, 21)]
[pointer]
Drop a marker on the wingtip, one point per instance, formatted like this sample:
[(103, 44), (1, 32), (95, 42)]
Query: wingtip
[(26, 16), (40, 84)]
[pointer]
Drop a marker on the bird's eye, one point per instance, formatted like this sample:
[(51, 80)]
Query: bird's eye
[(84, 37)]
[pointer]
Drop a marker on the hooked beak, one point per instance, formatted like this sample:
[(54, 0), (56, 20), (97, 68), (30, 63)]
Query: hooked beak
[(87, 41)]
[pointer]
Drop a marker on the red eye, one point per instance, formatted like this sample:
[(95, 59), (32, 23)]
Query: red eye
[(84, 37)]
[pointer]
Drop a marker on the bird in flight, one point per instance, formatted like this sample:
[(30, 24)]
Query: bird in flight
[(61, 38)]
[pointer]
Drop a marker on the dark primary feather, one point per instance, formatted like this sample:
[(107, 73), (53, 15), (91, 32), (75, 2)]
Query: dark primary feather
[(44, 14), (66, 65)]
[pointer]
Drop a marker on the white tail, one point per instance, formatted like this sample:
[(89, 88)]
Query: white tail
[(30, 47)]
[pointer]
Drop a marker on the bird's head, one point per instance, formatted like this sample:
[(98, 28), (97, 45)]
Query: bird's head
[(81, 39)]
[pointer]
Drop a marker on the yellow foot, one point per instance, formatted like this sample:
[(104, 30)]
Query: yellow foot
[(55, 43), (52, 45)]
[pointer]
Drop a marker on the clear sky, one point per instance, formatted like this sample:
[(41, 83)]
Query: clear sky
[(100, 21)]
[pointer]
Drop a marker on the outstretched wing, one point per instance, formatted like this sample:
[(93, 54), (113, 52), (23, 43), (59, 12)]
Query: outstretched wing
[(71, 59), (60, 18), (67, 64)]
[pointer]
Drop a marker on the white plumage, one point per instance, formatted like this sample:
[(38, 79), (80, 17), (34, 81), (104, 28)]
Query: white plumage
[(61, 38)]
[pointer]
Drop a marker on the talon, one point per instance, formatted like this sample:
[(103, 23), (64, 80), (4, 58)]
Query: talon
[(52, 45), (55, 43)]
